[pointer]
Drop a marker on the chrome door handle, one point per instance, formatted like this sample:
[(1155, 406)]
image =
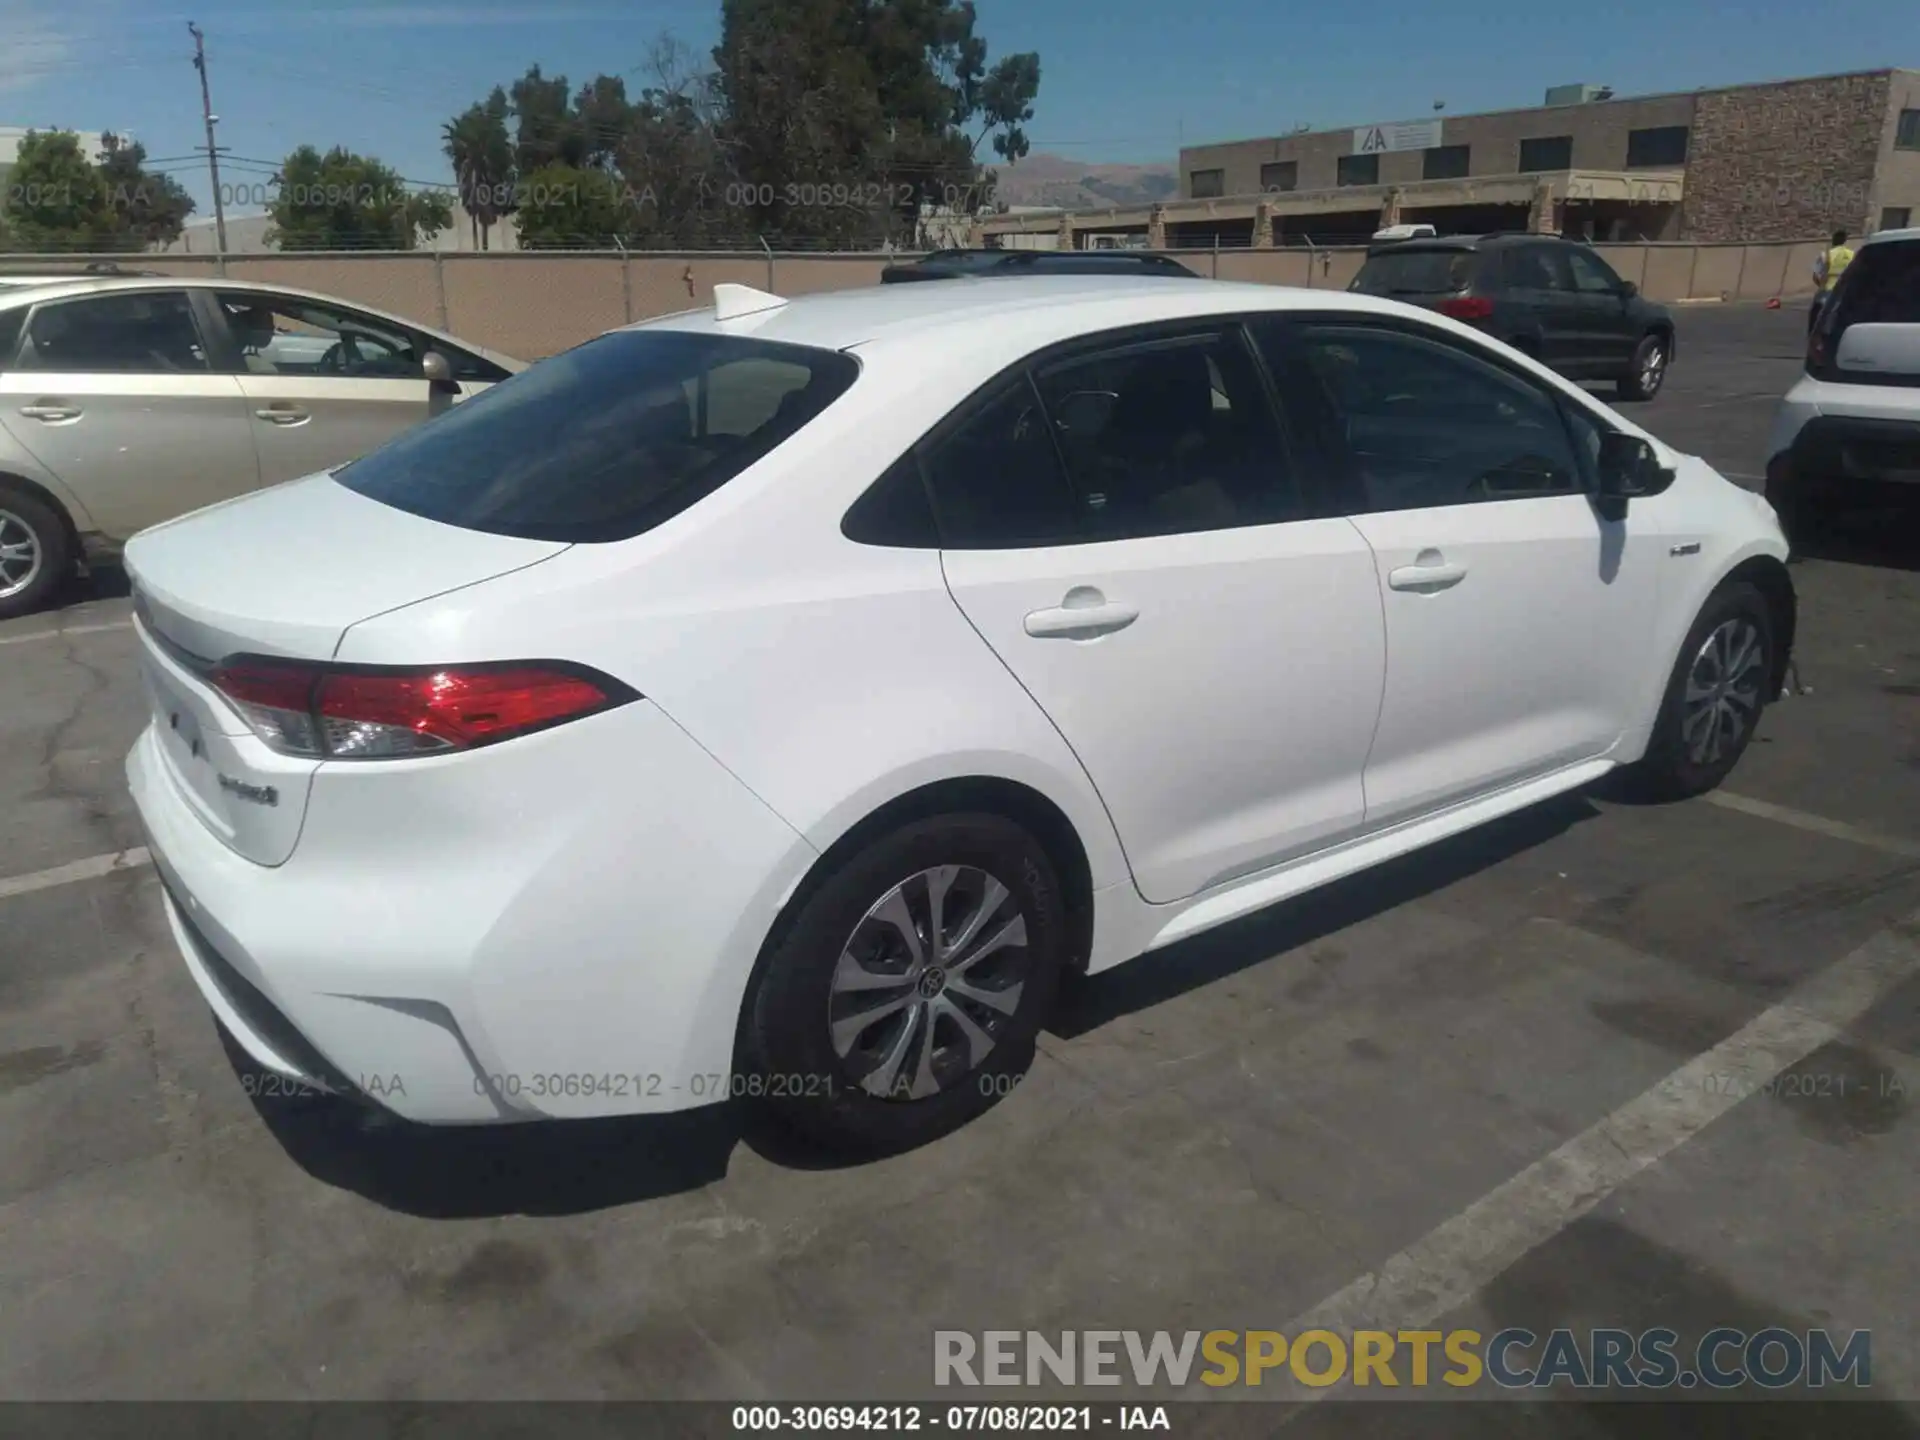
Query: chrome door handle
[(284, 415), (1085, 614), (1426, 579), (51, 413)]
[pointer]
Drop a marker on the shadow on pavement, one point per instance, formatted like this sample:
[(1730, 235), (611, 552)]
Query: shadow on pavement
[(562, 1167), (1884, 536), (1090, 1002)]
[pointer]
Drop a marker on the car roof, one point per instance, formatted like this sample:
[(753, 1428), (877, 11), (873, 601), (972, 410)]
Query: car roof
[(20, 296), (1892, 237), (1025, 314)]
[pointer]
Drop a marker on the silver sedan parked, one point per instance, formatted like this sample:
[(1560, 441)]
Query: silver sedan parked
[(128, 401)]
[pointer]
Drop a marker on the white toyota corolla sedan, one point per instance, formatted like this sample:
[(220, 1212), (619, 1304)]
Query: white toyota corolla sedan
[(776, 699)]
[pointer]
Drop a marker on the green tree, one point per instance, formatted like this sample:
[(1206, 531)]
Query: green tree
[(481, 151), (144, 208), (547, 131), (344, 201), (574, 207), (55, 200), (885, 100)]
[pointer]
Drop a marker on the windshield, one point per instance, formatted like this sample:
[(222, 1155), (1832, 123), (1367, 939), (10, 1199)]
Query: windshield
[(607, 440), (1415, 272)]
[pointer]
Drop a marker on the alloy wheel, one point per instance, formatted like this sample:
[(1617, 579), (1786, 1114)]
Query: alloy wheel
[(928, 982), (20, 557), (1722, 698), (1652, 367)]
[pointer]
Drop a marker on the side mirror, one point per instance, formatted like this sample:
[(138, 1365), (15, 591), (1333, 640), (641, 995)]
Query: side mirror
[(1629, 466), (439, 372), (1628, 290)]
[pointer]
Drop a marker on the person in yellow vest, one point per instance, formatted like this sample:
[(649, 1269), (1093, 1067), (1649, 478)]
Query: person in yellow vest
[(1827, 266)]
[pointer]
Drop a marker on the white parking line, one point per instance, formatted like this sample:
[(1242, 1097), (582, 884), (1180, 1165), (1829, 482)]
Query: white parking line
[(1452, 1263), (69, 630), (1816, 824), (88, 869)]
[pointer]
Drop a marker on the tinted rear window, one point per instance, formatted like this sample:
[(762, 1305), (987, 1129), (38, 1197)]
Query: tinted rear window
[(1881, 286), (1415, 272), (607, 440)]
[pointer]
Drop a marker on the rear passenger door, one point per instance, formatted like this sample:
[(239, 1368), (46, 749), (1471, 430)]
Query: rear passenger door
[(1604, 316), (1538, 281), (115, 394), (1122, 523)]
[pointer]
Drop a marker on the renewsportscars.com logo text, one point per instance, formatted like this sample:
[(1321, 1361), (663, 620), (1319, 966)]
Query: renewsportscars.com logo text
[(1514, 1358)]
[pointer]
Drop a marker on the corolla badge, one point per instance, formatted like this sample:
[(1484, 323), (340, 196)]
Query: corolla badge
[(258, 794)]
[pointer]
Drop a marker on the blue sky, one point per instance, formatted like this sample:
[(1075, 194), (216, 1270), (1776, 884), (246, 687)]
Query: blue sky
[(1122, 80)]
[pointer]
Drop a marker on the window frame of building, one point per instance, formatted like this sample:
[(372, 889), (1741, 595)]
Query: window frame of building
[(1290, 169), (1896, 217), (1906, 131), (1445, 170), (1343, 176), (1208, 184), (1537, 140), (1658, 139)]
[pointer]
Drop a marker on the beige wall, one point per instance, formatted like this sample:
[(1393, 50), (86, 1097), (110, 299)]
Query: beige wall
[(534, 305)]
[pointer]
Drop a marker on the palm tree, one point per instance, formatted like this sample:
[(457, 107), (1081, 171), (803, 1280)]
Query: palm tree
[(481, 151)]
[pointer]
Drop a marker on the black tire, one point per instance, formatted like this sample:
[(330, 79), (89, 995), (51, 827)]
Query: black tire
[(789, 1055), (1644, 380), (1671, 768), (21, 511)]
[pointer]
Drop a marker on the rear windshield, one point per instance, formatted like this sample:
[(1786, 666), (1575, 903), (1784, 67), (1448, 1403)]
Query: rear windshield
[(607, 440), (1881, 286), (1415, 272)]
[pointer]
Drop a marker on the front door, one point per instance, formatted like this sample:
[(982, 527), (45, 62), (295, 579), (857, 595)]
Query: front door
[(323, 384), (1212, 652), (1517, 617), (115, 395)]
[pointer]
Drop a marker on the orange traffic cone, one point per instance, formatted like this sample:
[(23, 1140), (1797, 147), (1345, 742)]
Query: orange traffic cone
[(1774, 303)]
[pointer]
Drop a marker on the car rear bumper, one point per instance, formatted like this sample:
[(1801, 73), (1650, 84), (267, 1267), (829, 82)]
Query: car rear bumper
[(587, 956), (1840, 451)]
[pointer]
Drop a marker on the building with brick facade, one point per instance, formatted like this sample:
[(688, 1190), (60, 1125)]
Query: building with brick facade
[(1783, 160)]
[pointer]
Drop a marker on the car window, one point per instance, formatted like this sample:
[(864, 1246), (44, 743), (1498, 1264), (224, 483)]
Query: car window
[(146, 332), (1429, 424), (1168, 437), (1529, 267), (11, 324), (1591, 274), (605, 440), (1880, 287), (995, 477), (286, 335), (1415, 272)]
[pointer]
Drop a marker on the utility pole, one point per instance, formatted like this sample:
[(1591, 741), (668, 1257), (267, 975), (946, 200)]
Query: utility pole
[(213, 151)]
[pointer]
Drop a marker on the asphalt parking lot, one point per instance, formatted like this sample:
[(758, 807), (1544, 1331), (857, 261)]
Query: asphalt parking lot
[(1524, 1079)]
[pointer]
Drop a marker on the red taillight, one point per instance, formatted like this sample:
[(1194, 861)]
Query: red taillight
[(1468, 307), (346, 714)]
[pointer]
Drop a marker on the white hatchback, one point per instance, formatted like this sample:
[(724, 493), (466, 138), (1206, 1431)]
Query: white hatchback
[(776, 699)]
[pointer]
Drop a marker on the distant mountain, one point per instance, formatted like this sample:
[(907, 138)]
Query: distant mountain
[(1059, 180)]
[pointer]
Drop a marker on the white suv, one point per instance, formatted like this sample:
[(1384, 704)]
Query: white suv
[(1852, 423)]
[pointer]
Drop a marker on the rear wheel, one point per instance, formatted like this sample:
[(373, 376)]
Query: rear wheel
[(35, 552), (1720, 685), (907, 994), (1648, 370)]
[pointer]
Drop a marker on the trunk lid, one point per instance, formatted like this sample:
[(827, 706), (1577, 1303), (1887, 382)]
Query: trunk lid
[(284, 572)]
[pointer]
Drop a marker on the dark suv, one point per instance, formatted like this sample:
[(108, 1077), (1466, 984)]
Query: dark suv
[(952, 264), (1555, 299)]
